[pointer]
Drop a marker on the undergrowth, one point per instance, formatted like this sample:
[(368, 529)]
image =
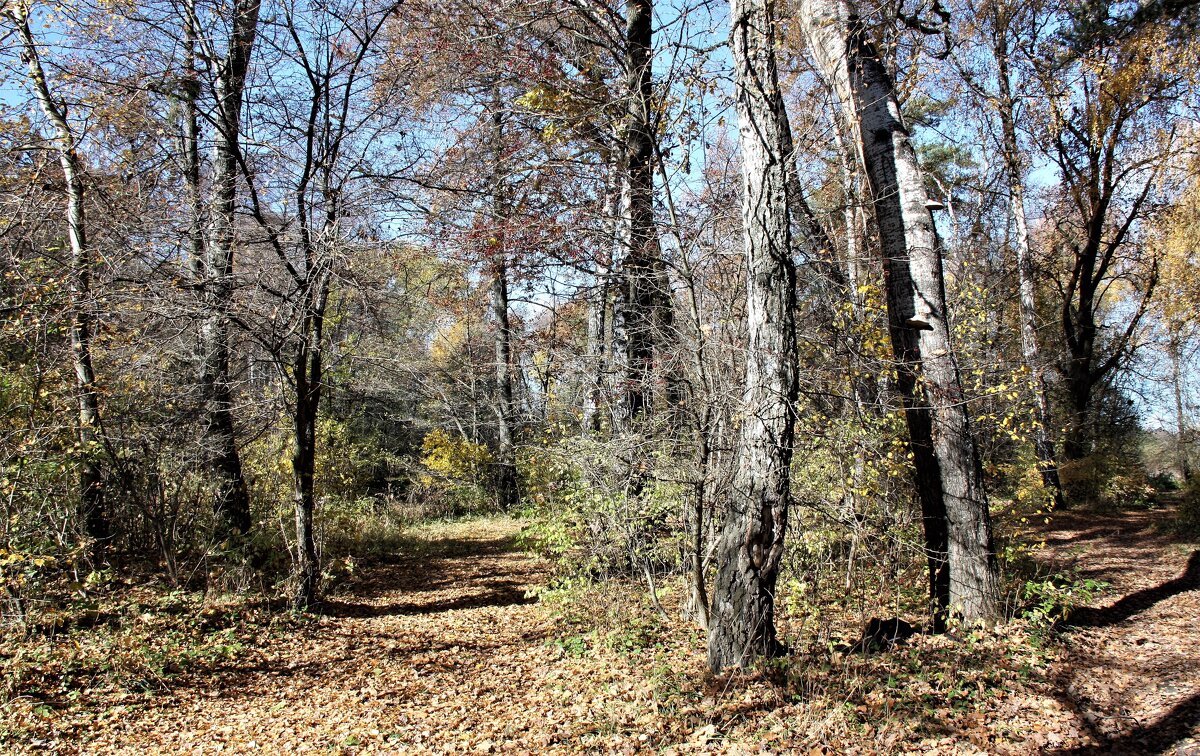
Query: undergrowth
[(127, 642), (959, 684)]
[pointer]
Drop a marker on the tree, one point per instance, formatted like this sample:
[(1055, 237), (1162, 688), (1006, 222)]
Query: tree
[(231, 502), (66, 143), (507, 493), (963, 573), (496, 219), (1100, 22), (644, 312), (323, 159), (1106, 137), (742, 620), (1177, 309), (1003, 23)]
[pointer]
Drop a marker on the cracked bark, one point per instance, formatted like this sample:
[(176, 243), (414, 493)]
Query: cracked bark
[(643, 319), (954, 507), (742, 619)]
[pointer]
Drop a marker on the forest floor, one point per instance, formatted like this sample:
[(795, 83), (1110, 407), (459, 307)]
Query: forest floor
[(453, 649), (1131, 668)]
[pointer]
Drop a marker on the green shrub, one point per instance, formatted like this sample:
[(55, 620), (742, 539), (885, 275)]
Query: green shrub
[(1189, 509), (1052, 599), (591, 518), (1107, 481), (366, 526)]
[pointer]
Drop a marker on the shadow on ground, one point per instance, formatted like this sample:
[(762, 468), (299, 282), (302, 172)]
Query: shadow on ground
[(1152, 738), (496, 593), (1084, 527), (1139, 601), (1123, 711), (437, 566)]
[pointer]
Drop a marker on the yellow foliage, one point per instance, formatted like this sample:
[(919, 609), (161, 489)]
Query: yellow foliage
[(1178, 244), (1142, 67), (449, 341), (546, 100), (562, 105), (453, 457)]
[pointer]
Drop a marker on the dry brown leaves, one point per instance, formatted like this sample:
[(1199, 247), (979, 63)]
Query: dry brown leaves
[(447, 652), (1131, 673)]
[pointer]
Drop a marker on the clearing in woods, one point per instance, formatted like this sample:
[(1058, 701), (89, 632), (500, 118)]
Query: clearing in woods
[(449, 651)]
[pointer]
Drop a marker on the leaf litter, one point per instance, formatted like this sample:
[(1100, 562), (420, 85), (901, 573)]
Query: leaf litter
[(449, 650)]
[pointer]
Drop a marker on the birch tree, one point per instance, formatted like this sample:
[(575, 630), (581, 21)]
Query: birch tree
[(1003, 25), (742, 620), (954, 507), (65, 142), (231, 502)]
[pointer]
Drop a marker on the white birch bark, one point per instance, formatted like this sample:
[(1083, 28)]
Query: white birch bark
[(963, 572), (741, 623), (1006, 107), (231, 501), (88, 427)]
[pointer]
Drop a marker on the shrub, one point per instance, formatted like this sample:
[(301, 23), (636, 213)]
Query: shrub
[(365, 526), (1189, 508), (594, 514), (1051, 599), (455, 473), (1107, 481)]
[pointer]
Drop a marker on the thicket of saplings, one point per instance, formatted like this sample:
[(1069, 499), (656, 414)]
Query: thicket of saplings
[(855, 530)]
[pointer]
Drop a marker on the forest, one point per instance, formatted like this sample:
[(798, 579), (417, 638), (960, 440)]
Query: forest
[(582, 376)]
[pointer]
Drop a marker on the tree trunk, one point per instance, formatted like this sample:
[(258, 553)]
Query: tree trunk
[(88, 429), (851, 219), (1078, 377), (644, 311), (1006, 106), (308, 368), (597, 353), (304, 444), (697, 606), (506, 464), (190, 144), (231, 503), (742, 622), (1182, 432), (954, 507), (599, 322), (506, 467)]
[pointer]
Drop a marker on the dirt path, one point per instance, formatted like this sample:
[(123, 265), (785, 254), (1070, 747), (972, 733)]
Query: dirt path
[(447, 653), (436, 639), (1132, 671)]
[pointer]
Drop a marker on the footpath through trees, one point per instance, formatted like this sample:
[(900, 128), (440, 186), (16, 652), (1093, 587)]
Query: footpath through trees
[(449, 649)]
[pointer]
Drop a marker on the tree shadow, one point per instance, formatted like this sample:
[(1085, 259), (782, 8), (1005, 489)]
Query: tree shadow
[(1146, 526), (498, 593), (449, 548), (445, 564), (1151, 738), (1139, 601), (484, 647)]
